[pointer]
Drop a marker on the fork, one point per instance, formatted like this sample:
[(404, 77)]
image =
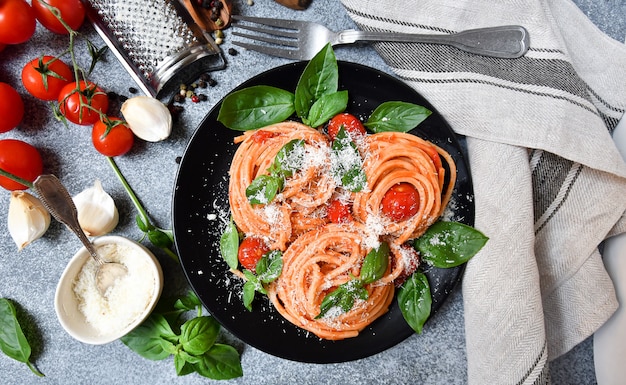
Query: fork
[(301, 40)]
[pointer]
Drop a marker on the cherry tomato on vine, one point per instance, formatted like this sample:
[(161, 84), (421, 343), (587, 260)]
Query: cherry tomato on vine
[(20, 159), (112, 137), (11, 108), (338, 212), (351, 124), (72, 13), (91, 95), (250, 252), (17, 21), (400, 202), (44, 77)]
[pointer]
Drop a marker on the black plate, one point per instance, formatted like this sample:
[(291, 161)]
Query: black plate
[(200, 209)]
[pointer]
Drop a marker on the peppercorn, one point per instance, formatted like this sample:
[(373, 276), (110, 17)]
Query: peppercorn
[(202, 97), (132, 90), (112, 95), (232, 51), (195, 99), (179, 98)]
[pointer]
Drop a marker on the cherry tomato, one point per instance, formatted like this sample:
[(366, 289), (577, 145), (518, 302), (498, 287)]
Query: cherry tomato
[(72, 12), (401, 202), (251, 250), (351, 124), (91, 94), (20, 159), (338, 212), (44, 77), (11, 108), (17, 21), (112, 138)]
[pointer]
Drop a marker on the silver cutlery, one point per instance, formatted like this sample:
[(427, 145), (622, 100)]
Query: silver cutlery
[(301, 40)]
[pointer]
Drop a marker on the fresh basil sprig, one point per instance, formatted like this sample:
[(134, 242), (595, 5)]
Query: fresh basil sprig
[(449, 244), (397, 117), (229, 244), (288, 160), (346, 164), (268, 269), (343, 297), (13, 342), (195, 348), (255, 107)]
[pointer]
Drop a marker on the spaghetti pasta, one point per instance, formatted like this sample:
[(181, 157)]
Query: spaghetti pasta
[(320, 256)]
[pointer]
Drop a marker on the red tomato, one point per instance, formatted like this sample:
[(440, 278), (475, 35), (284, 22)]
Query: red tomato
[(72, 13), (17, 21), (351, 124), (401, 202), (11, 107), (44, 77), (251, 250), (20, 159), (112, 138), (2, 47), (338, 212), (90, 94)]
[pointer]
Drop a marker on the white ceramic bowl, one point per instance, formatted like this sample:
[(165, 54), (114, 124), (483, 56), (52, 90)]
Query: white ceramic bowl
[(66, 302)]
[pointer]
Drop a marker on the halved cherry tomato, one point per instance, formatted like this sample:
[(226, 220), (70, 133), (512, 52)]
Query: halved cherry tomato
[(45, 77), (112, 137), (20, 159), (11, 108), (338, 212), (250, 252), (72, 13), (92, 95), (400, 202), (17, 21), (351, 124)]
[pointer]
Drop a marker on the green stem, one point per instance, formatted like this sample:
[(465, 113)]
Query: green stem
[(34, 369), (144, 214), (16, 178)]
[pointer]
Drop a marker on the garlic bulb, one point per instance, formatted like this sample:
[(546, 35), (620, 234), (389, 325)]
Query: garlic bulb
[(148, 118), (97, 213), (28, 219)]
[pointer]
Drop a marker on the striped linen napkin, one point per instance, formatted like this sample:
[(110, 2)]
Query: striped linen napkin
[(549, 184)]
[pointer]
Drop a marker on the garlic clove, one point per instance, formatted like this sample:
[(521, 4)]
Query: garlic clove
[(97, 213), (28, 219), (148, 118)]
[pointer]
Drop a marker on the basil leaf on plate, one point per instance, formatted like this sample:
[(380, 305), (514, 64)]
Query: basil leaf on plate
[(263, 189), (449, 244), (346, 164), (375, 264), (229, 245), (397, 117), (270, 266), (13, 342), (414, 300), (326, 107), (255, 107), (320, 77), (288, 160), (343, 297)]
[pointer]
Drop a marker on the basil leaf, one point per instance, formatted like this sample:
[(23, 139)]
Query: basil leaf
[(343, 297), (143, 226), (449, 244), (249, 289), (397, 116), (263, 189), (13, 342), (198, 334), (188, 302), (375, 264), (320, 77), (270, 266), (288, 159), (182, 366), (254, 107), (346, 164), (221, 362), (326, 107), (159, 238), (229, 245), (415, 301), (147, 339)]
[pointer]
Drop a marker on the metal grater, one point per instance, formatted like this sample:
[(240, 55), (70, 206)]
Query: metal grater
[(155, 40)]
